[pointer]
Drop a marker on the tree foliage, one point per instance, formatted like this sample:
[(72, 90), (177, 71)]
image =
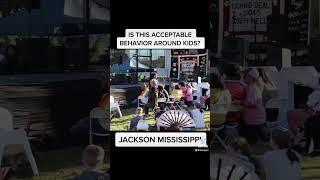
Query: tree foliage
[(117, 56)]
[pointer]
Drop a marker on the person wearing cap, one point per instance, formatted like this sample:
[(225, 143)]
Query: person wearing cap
[(254, 114)]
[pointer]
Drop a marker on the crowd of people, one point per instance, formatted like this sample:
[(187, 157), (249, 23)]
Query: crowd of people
[(179, 96), (280, 162), (250, 89)]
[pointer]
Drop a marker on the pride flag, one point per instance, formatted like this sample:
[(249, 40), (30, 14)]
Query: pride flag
[(105, 101)]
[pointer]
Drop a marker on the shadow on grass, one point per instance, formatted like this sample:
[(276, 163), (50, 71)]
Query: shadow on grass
[(121, 124), (56, 164)]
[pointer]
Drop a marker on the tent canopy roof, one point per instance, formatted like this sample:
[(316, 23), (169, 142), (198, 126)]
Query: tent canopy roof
[(128, 65)]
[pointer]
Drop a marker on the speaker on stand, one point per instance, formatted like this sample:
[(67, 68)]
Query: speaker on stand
[(278, 38), (277, 29), (75, 58)]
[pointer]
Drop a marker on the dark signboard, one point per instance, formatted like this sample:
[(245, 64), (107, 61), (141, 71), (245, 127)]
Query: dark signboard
[(298, 18)]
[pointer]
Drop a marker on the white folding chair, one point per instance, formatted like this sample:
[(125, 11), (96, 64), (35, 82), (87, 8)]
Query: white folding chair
[(10, 136), (114, 105), (142, 100), (101, 115), (174, 102), (220, 111), (162, 100)]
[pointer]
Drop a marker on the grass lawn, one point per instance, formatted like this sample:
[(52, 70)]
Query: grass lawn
[(53, 165), (122, 124), (310, 166)]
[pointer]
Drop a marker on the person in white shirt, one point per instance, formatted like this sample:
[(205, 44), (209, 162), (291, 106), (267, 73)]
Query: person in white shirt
[(198, 116), (282, 162)]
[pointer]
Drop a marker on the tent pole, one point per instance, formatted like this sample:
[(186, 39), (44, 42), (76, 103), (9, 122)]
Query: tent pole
[(29, 23), (150, 62), (137, 65), (86, 16)]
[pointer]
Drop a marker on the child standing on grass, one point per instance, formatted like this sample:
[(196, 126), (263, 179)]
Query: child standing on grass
[(92, 159), (136, 119)]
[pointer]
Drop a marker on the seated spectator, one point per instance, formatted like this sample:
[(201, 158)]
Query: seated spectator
[(173, 128), (177, 93), (237, 162), (136, 119), (205, 100), (282, 162), (189, 95), (143, 125), (92, 159), (233, 82), (160, 110), (239, 151), (219, 93), (183, 87), (80, 130), (172, 87), (197, 115)]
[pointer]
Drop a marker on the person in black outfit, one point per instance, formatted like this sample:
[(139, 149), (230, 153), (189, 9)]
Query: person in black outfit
[(152, 100), (162, 93)]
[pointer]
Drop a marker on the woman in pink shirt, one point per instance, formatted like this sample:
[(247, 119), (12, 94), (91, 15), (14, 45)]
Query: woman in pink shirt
[(236, 88), (254, 114), (189, 95), (183, 87)]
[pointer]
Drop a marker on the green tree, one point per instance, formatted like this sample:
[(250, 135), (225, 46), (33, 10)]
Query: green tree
[(98, 49), (8, 5), (117, 56)]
